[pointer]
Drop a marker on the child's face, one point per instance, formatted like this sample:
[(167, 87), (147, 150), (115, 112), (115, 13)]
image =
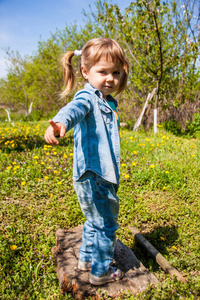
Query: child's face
[(105, 76)]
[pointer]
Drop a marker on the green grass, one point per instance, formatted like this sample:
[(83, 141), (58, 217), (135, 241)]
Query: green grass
[(159, 194)]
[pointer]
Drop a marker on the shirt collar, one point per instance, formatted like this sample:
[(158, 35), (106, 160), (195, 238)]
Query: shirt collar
[(89, 87)]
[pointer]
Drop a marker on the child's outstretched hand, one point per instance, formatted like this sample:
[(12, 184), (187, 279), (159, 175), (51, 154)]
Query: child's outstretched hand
[(55, 129)]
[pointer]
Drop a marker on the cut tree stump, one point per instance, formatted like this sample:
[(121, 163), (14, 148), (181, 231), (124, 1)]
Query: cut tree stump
[(137, 278)]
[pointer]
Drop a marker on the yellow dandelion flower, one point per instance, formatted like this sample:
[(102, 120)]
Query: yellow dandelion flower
[(123, 165), (35, 157), (164, 188), (147, 139), (166, 172), (17, 167), (54, 152), (59, 182), (127, 176), (23, 182), (152, 145), (13, 247), (174, 247), (162, 238), (133, 164), (134, 152), (152, 166), (51, 195), (56, 172), (8, 168), (46, 177), (14, 162), (71, 154), (47, 153), (193, 155), (65, 155)]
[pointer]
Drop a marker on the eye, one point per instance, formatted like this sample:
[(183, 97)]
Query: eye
[(102, 72), (116, 72)]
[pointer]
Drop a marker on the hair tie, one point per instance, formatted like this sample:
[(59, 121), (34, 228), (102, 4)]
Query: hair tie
[(77, 52)]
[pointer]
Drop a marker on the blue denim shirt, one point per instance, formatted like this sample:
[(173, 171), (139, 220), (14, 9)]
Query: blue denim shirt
[(96, 136)]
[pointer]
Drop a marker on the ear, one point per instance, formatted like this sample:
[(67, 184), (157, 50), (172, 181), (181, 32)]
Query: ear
[(84, 72)]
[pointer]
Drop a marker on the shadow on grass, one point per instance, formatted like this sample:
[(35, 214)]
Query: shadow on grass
[(161, 238), (22, 143)]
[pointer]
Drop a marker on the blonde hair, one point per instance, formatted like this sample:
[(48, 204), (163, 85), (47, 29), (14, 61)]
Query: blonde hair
[(92, 53)]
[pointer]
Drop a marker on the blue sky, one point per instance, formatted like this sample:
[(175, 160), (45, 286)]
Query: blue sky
[(24, 22)]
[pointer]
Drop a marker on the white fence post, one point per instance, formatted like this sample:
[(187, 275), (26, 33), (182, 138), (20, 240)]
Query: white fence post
[(155, 113)]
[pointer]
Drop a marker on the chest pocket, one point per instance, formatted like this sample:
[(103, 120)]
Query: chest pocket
[(106, 114)]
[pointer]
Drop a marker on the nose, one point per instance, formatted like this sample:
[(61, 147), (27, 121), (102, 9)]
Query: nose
[(110, 77)]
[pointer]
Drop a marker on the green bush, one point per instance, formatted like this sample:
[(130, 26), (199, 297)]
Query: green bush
[(194, 127), (173, 127), (36, 115)]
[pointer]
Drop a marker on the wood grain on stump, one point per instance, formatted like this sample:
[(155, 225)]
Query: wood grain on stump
[(137, 278)]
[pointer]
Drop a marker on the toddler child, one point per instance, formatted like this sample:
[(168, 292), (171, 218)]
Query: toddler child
[(93, 116)]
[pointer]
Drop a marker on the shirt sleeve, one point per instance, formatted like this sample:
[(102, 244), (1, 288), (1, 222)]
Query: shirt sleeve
[(74, 112)]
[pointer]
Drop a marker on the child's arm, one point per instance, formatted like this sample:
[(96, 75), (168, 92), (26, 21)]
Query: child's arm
[(55, 129)]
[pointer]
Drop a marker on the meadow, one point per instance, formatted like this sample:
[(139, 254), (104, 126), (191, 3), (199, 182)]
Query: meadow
[(159, 194)]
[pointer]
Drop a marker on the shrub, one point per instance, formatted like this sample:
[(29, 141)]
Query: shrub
[(174, 127), (194, 127)]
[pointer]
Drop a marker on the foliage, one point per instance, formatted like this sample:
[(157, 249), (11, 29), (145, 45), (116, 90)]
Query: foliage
[(173, 127), (160, 39), (194, 127), (159, 194), (155, 35)]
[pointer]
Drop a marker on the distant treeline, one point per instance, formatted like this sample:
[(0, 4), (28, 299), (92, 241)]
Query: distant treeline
[(161, 40)]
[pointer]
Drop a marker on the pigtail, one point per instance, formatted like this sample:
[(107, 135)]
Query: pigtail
[(68, 73)]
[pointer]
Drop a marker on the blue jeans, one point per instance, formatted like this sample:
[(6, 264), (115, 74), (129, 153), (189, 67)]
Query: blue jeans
[(100, 205)]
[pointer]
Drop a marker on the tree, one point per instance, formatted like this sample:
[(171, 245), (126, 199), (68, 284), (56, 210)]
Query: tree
[(155, 36), (18, 81)]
